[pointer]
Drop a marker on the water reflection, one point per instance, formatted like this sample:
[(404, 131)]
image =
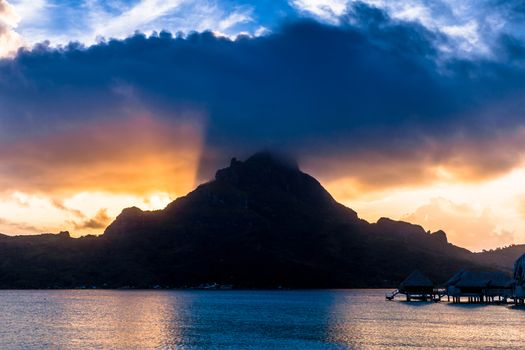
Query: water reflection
[(86, 319), (356, 319), (371, 324)]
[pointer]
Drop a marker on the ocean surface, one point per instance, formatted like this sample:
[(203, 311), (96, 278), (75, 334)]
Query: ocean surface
[(324, 319)]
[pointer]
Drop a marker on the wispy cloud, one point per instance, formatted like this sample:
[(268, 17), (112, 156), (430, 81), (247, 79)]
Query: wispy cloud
[(240, 16), (90, 20), (59, 204), (474, 27), (7, 226), (328, 10), (97, 222), (33, 10), (130, 20)]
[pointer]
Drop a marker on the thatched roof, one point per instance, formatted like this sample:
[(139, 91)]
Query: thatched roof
[(479, 279), (416, 279), (519, 270), (455, 278)]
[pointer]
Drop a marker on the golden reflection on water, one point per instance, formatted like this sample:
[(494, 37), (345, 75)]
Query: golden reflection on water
[(94, 319), (124, 320)]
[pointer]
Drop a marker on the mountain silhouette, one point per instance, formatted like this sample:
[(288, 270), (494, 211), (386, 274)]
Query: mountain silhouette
[(260, 223)]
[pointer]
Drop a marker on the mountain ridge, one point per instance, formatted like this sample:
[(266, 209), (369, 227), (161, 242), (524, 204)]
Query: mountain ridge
[(260, 223)]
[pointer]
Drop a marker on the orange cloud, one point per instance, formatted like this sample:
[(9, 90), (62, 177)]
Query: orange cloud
[(135, 155), (464, 225), (98, 222), (458, 159), (7, 226)]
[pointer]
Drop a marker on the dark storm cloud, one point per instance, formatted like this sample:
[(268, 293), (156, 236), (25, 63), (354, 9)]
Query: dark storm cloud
[(368, 86)]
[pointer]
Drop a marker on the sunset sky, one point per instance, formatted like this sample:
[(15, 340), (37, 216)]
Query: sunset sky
[(409, 109)]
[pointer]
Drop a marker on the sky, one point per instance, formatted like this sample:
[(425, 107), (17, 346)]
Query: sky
[(410, 109)]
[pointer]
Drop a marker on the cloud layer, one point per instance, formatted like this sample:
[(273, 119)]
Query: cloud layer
[(360, 96), (366, 98)]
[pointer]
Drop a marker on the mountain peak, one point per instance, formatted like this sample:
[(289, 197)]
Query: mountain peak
[(440, 235), (273, 159), (275, 177), (260, 164)]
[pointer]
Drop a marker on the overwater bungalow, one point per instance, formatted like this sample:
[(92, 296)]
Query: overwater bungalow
[(479, 286), (519, 281), (470, 286), (416, 286)]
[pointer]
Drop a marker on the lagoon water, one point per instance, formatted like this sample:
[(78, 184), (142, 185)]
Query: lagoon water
[(342, 319)]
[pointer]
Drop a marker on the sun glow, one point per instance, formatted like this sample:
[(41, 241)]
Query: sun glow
[(82, 213), (476, 215), (142, 161)]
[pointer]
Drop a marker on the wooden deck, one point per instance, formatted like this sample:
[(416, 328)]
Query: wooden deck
[(489, 296), (435, 295)]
